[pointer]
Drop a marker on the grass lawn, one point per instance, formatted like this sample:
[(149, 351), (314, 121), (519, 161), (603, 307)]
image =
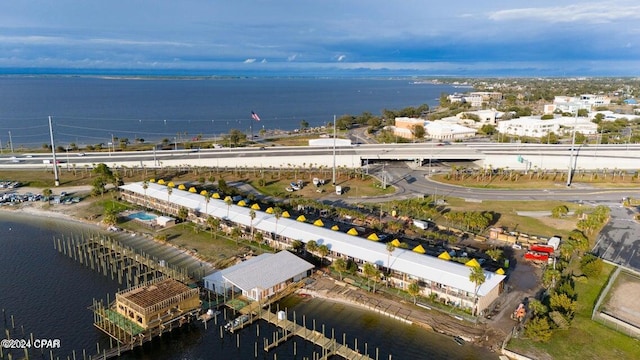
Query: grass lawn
[(544, 225), (532, 181), (585, 339)]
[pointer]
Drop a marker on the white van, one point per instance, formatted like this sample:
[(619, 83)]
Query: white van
[(338, 190)]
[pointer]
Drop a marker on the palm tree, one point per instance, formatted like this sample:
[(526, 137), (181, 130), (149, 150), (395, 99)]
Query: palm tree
[(169, 191), (145, 186), (390, 249), (213, 223), (235, 233), (340, 265), (370, 271), (323, 250), (252, 215), (228, 201), (207, 198), (477, 277), (414, 290), (312, 246), (277, 213)]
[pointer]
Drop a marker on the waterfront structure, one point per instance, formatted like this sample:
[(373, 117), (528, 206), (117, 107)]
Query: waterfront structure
[(147, 310), (447, 281), (260, 277), (151, 303), (533, 126)]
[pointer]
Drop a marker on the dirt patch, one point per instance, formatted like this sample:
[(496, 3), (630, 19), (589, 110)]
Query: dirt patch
[(622, 302), (560, 224)]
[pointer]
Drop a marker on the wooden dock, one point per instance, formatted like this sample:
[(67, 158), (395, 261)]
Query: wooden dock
[(330, 346), (111, 258)]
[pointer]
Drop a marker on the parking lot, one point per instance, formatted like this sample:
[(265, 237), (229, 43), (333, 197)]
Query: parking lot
[(619, 240)]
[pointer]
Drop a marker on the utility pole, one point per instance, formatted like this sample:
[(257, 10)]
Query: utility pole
[(56, 178), (11, 142), (573, 146), (334, 151)]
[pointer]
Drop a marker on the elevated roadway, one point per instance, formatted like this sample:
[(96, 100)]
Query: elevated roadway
[(487, 155)]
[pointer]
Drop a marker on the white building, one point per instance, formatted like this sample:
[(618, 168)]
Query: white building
[(569, 104), (442, 130), (260, 277), (446, 280), (535, 127)]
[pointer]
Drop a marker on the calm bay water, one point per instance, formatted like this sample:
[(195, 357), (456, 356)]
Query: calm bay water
[(89, 110), (48, 294)]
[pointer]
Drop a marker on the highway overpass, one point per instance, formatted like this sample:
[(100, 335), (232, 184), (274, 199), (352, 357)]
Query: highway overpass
[(487, 155)]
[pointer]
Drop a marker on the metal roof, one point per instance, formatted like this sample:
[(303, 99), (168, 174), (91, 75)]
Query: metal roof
[(266, 270), (422, 266)]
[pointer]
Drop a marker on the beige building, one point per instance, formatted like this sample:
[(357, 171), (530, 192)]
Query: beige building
[(156, 302)]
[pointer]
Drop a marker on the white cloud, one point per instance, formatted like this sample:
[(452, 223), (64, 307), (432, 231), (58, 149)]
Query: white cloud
[(603, 12), (249, 61)]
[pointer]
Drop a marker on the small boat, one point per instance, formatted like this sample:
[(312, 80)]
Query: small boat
[(458, 340)]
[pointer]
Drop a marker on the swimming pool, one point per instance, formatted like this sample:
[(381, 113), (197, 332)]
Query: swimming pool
[(144, 216)]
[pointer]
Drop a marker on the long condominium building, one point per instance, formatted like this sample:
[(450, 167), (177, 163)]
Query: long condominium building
[(446, 280)]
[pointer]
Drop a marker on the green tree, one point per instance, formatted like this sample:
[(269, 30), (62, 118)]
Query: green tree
[(214, 224), (183, 213), (476, 276), (47, 193), (252, 216), (559, 211), (418, 131), (98, 186), (236, 233), (297, 245), (537, 307), (488, 129), (590, 265), (228, 201), (414, 290), (304, 124), (538, 329), (236, 137), (323, 251), (110, 217), (277, 213), (340, 265), (390, 249), (495, 254), (145, 186), (312, 246), (371, 272), (549, 277), (563, 303), (207, 199)]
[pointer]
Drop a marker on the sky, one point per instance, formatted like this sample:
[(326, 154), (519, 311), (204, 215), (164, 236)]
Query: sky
[(464, 37)]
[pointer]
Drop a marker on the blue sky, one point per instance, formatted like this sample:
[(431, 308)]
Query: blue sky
[(325, 36)]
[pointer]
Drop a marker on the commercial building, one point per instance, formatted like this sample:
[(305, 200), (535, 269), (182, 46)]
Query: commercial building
[(535, 127), (445, 280), (437, 130), (260, 277)]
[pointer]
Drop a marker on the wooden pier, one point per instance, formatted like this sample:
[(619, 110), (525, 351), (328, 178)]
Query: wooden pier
[(330, 346), (112, 258)]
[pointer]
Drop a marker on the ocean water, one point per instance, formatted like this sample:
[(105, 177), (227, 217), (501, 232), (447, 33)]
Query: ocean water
[(48, 294), (90, 110)]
